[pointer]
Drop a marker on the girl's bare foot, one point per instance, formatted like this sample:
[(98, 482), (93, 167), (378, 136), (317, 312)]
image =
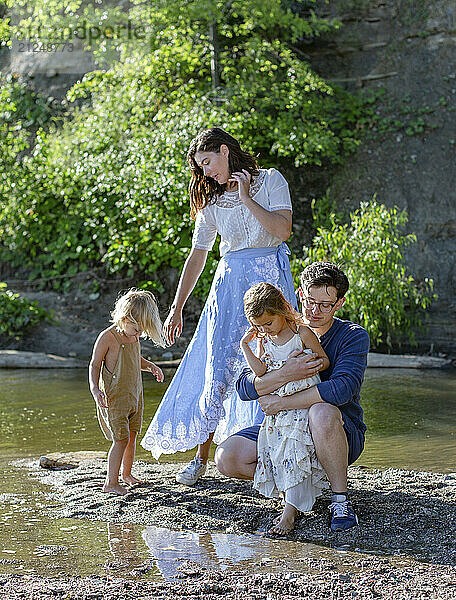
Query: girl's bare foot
[(115, 488), (130, 480), (285, 523)]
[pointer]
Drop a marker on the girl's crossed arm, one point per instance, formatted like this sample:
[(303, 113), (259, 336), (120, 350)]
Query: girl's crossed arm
[(310, 340), (257, 366)]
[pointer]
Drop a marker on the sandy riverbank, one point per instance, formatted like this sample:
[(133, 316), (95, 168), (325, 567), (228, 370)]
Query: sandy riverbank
[(405, 540)]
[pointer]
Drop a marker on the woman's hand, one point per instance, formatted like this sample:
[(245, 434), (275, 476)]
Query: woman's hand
[(271, 404), (249, 335), (172, 327), (242, 178), (276, 222)]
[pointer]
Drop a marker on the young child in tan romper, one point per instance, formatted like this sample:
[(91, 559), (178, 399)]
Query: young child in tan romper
[(116, 383)]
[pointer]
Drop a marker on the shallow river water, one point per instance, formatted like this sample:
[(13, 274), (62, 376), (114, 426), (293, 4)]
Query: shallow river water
[(411, 418)]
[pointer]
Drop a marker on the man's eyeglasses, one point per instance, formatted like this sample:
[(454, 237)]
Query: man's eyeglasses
[(324, 307)]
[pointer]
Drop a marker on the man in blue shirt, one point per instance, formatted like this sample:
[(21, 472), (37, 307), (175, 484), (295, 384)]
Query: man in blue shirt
[(335, 415)]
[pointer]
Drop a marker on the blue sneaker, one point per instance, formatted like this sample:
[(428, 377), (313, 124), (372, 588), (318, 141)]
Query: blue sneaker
[(342, 516)]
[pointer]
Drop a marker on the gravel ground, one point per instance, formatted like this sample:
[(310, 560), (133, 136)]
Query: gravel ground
[(407, 525), (399, 511), (369, 579)]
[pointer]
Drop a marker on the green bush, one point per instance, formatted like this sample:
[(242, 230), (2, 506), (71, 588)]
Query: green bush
[(273, 96), (18, 314), (20, 106), (108, 186), (22, 111), (383, 297)]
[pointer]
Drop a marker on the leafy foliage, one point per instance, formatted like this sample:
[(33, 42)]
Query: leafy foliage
[(21, 107), (17, 314), (108, 186), (383, 298), (114, 194), (22, 111), (270, 92)]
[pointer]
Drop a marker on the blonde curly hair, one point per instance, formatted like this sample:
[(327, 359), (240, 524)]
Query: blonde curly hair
[(139, 307)]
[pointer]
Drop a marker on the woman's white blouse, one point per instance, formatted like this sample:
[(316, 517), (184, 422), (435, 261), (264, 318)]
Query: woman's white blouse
[(237, 226)]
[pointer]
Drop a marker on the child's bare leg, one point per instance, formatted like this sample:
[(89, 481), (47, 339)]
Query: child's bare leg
[(114, 461), (285, 523), (128, 458)]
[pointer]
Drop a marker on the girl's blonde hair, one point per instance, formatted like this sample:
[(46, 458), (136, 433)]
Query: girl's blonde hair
[(139, 307), (265, 297)]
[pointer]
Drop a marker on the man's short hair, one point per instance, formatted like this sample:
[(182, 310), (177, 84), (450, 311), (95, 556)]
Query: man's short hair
[(325, 274)]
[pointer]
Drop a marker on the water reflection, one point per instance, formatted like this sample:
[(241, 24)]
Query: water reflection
[(122, 540), (32, 542), (170, 549)]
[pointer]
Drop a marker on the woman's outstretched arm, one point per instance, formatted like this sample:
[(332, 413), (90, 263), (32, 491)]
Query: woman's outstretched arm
[(172, 327)]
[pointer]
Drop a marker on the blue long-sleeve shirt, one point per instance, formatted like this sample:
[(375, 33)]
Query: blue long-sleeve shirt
[(346, 345)]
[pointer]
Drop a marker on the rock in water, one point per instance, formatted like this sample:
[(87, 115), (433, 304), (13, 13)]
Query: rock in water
[(55, 464), (58, 461)]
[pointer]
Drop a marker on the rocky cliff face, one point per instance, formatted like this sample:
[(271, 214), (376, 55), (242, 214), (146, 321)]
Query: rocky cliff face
[(407, 47), (50, 69)]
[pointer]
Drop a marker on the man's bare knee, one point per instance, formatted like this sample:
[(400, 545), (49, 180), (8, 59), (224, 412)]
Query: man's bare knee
[(324, 418), (236, 457), (225, 458)]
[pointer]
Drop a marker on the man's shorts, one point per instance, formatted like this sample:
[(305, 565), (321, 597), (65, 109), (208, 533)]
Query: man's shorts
[(355, 437)]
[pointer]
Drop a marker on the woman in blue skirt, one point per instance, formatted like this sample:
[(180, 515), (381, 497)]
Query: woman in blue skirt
[(250, 208)]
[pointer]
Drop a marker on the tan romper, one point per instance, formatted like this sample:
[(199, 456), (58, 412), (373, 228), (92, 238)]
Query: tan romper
[(123, 388)]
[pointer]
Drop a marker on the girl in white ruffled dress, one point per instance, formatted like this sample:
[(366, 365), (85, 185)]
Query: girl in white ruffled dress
[(287, 464)]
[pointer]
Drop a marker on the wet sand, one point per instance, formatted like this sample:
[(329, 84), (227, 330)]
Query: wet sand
[(406, 540)]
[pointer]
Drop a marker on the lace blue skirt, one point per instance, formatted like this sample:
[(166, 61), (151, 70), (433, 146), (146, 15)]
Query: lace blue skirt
[(201, 398)]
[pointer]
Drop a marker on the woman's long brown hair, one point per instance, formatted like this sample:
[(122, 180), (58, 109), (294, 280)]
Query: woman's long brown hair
[(203, 190)]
